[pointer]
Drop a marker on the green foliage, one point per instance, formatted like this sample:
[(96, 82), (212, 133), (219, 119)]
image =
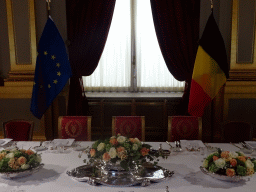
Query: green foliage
[(241, 170), (213, 168)]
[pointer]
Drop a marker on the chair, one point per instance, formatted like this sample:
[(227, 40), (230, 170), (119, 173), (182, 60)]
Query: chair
[(237, 131), (184, 127), (18, 130), (77, 127), (129, 126)]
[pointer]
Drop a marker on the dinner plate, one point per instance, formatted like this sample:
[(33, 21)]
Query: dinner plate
[(80, 148), (40, 148), (113, 178), (224, 177), (14, 175)]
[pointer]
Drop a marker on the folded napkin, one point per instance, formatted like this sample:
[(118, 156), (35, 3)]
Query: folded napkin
[(186, 143), (251, 144), (4, 141), (64, 142)]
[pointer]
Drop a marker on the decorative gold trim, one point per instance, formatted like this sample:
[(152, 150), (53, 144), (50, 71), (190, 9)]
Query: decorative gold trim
[(89, 125), (240, 71), (21, 67), (143, 127), (114, 126)]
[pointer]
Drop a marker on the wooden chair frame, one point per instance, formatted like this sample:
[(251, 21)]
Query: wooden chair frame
[(89, 125), (170, 127), (142, 125), (20, 120)]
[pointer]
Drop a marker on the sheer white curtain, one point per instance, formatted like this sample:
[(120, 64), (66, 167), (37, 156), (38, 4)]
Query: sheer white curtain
[(114, 69), (152, 72)]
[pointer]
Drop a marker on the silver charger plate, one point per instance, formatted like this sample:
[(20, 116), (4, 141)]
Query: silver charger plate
[(225, 178), (82, 173), (14, 175), (87, 173)]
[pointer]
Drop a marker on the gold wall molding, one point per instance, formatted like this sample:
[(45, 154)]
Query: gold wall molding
[(238, 90), (240, 70), (27, 66)]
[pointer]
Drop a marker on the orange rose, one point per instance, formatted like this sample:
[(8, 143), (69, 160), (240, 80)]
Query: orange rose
[(241, 158), (233, 162), (23, 150), (113, 141), (106, 157), (92, 152), (21, 160), (215, 158), (120, 149), (144, 151), (132, 140), (224, 154), (29, 152), (230, 172)]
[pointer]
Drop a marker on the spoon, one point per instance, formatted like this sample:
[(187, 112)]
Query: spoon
[(169, 144)]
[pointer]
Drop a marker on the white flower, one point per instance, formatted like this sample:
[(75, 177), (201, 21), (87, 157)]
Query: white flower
[(25, 166), (121, 139), (38, 158), (112, 152), (249, 164), (137, 141), (101, 146), (205, 163), (10, 155), (135, 147), (220, 163), (233, 155)]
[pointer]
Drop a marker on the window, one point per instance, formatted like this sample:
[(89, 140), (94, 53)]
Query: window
[(132, 60)]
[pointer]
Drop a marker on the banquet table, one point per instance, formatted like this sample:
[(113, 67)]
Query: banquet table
[(187, 174)]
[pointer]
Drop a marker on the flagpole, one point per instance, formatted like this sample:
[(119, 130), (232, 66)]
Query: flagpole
[(48, 7), (211, 5)]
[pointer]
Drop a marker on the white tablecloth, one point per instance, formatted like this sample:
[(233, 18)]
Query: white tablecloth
[(187, 177)]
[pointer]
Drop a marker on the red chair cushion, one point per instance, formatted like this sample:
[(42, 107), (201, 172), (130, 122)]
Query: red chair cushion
[(18, 131), (129, 126), (74, 127), (184, 128)]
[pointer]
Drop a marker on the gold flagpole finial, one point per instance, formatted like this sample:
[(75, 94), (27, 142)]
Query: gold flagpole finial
[(48, 6), (212, 5)]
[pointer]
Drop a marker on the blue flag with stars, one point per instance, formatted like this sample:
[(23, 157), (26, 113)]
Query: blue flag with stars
[(52, 69)]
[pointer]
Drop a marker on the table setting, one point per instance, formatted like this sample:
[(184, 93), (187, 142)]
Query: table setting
[(182, 170)]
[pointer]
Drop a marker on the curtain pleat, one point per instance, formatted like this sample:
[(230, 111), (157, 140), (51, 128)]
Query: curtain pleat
[(177, 28), (88, 24)]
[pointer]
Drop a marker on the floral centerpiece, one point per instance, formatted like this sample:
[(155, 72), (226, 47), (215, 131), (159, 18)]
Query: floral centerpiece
[(123, 150), (230, 163), (18, 160)]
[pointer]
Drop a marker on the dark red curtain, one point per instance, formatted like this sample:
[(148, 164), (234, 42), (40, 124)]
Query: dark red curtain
[(177, 29), (88, 23)]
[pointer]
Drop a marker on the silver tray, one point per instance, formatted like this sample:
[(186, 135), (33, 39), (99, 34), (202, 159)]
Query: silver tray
[(13, 175), (225, 178), (146, 175)]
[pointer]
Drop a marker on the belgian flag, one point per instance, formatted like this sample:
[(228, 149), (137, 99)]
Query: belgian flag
[(211, 69)]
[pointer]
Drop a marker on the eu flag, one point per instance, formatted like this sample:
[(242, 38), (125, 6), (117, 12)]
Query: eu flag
[(52, 69)]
